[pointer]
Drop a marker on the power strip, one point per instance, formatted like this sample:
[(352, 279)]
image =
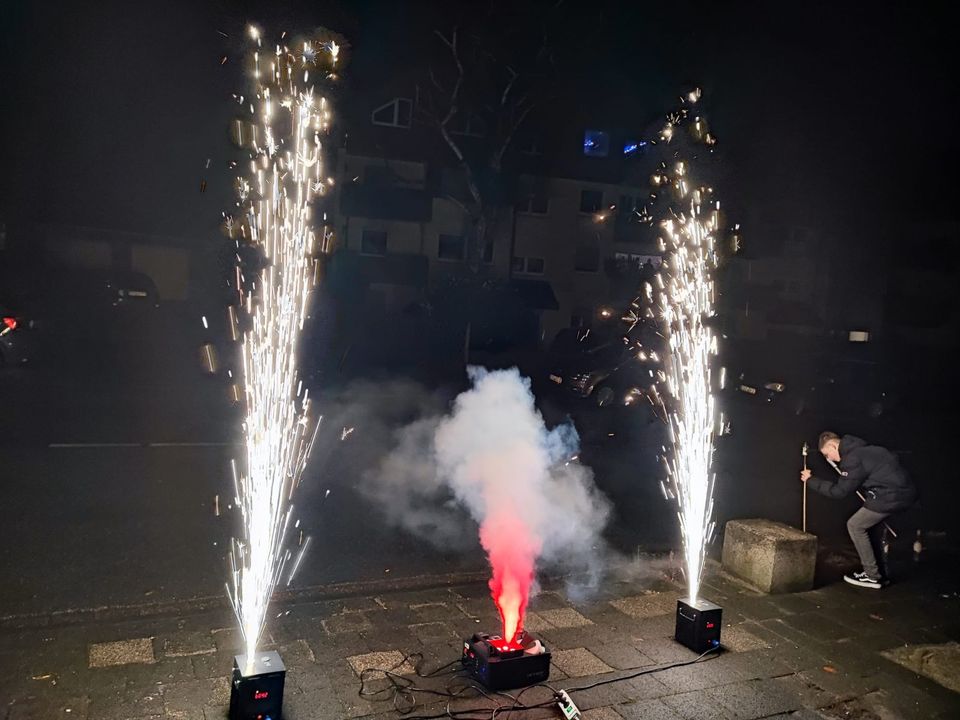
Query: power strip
[(567, 707)]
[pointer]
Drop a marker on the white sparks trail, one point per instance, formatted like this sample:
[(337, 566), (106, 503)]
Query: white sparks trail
[(686, 304), (283, 135), (685, 292)]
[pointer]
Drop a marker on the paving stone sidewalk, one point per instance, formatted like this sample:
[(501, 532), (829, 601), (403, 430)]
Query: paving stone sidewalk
[(834, 652)]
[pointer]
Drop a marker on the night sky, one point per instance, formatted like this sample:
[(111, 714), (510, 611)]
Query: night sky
[(841, 120)]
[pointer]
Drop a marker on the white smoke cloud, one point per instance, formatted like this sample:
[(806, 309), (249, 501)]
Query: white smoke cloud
[(493, 451)]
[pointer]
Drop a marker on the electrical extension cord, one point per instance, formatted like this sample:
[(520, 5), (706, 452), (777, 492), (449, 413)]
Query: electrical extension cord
[(567, 707), (403, 689)]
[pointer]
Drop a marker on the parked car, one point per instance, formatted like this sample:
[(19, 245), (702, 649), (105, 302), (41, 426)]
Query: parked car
[(828, 383), (17, 337), (131, 289), (601, 367)]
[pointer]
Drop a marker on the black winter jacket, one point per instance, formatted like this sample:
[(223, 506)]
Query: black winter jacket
[(885, 485)]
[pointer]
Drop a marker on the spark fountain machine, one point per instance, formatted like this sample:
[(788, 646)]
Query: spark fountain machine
[(498, 664), (698, 624), (256, 692)]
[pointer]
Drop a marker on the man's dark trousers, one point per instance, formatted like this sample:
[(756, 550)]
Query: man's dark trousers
[(859, 526)]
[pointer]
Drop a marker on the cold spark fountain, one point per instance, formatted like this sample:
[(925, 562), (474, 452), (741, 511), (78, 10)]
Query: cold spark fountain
[(685, 293), (285, 120), (686, 303)]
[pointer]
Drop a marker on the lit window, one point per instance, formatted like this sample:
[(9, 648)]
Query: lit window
[(373, 242), (596, 143), (591, 201), (633, 147), (450, 247), (395, 113), (624, 261), (534, 204)]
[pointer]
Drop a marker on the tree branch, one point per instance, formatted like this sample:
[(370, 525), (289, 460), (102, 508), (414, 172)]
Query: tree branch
[(455, 94), (433, 80), (458, 203), (452, 111), (506, 90), (508, 138)]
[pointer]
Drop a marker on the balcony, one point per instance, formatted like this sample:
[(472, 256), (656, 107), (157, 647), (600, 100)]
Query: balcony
[(350, 269), (381, 202)]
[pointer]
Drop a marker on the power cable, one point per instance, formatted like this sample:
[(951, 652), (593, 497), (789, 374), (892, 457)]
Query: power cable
[(404, 689)]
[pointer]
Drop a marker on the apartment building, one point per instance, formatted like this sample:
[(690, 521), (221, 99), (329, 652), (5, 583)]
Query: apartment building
[(561, 230)]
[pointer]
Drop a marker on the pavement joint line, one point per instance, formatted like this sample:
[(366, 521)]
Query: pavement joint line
[(67, 446), (191, 444), (92, 445), (212, 603)]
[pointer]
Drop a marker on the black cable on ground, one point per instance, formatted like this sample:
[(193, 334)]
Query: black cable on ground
[(404, 689), (646, 671)]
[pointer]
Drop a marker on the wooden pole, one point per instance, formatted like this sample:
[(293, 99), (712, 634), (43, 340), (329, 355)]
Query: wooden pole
[(805, 489)]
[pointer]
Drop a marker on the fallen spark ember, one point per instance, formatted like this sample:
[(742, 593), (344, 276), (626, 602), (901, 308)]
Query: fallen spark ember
[(283, 137)]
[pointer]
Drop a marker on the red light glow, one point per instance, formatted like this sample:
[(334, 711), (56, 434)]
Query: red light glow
[(10, 322), (512, 549), (260, 695), (504, 646)]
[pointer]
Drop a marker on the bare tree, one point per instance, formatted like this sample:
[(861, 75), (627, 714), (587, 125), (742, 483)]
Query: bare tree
[(479, 91)]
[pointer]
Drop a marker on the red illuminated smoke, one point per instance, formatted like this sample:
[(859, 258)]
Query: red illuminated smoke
[(512, 549)]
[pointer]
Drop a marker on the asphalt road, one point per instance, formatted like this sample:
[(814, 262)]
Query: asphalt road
[(115, 450), (115, 445)]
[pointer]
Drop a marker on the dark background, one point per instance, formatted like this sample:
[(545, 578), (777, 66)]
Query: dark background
[(839, 119), (842, 115)]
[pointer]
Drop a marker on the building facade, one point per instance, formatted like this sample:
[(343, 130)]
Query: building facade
[(560, 231)]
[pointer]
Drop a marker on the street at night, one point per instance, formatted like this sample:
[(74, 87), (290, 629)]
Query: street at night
[(436, 360)]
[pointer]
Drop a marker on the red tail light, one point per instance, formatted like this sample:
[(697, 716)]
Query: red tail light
[(10, 322)]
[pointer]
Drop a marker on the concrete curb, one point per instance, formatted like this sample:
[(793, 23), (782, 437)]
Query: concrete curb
[(211, 603)]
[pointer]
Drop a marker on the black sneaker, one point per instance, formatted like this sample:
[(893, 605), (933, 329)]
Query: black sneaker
[(861, 579)]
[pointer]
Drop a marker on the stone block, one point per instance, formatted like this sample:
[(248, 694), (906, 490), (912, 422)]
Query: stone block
[(771, 556)]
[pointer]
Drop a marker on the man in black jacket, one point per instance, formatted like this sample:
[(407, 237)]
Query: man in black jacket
[(886, 488)]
